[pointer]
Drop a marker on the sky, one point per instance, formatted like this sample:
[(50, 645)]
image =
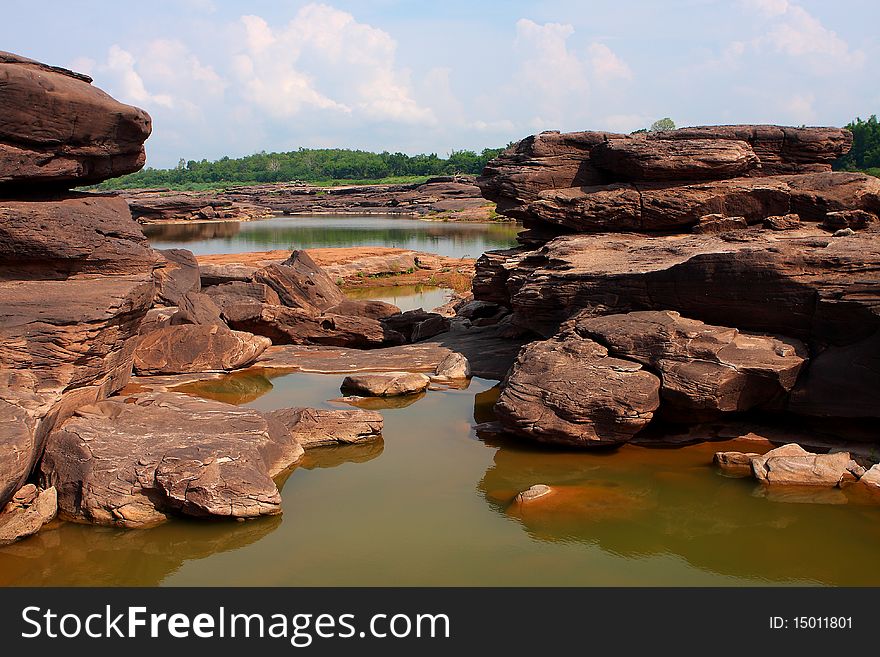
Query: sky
[(224, 77)]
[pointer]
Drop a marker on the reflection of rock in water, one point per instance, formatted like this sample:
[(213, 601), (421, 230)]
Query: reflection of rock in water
[(483, 403), (637, 501), (83, 555), (330, 457), (381, 403), (191, 232), (237, 388)]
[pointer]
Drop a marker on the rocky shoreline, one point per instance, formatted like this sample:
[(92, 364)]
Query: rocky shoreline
[(442, 198), (683, 286)]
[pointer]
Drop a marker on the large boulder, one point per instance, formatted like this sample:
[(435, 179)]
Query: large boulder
[(571, 391), (183, 348), (178, 274), (704, 369), (131, 462), (56, 128), (300, 283), (792, 465)]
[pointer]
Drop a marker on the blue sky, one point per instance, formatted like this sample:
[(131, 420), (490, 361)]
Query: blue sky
[(231, 78)]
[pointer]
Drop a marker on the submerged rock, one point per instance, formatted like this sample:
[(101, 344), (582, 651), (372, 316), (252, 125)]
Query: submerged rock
[(130, 462)]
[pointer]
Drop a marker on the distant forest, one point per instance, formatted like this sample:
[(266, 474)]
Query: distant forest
[(865, 152), (312, 165)]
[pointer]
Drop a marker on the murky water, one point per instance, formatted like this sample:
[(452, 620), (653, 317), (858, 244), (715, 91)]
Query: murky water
[(405, 297), (430, 505), (454, 239)]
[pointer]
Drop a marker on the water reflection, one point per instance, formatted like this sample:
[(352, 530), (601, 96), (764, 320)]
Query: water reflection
[(455, 239)]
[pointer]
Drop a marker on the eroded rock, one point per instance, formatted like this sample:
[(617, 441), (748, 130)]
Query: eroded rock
[(319, 427), (183, 348), (385, 384)]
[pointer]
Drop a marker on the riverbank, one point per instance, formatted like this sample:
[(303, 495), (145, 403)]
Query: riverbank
[(445, 198)]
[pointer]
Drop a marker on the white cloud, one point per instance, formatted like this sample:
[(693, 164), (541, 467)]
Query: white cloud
[(793, 31), (606, 66), (120, 65), (325, 59)]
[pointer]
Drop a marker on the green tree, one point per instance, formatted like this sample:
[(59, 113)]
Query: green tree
[(662, 125), (865, 151)]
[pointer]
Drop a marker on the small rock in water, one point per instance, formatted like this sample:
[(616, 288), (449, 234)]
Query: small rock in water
[(533, 493), (385, 384), (454, 366), (736, 464)]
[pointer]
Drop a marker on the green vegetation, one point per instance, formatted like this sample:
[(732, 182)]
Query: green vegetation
[(327, 166), (865, 152), (661, 125)]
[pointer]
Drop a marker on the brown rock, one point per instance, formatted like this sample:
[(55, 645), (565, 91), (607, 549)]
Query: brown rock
[(712, 224), (735, 464), (550, 160), (196, 308), (228, 294), (213, 274), (852, 219), (132, 462), (572, 391), (300, 283), (283, 325), (63, 235), (385, 384), (641, 158), (177, 276), (792, 465), (653, 207), (196, 348), (454, 367), (704, 369), (319, 427), (370, 309), (783, 222), (415, 325), (27, 512), (56, 128)]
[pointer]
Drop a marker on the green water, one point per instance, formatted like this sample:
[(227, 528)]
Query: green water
[(430, 505), (453, 239)]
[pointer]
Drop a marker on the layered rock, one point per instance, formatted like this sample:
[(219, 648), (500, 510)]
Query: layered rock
[(183, 348), (130, 462), (385, 384), (75, 269), (319, 427), (57, 129), (546, 396), (705, 370), (729, 260), (26, 513)]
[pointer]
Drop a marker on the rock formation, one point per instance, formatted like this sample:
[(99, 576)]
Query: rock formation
[(670, 251)]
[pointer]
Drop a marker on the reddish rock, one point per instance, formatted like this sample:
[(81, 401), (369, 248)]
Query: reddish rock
[(704, 369), (783, 222), (196, 308), (642, 158), (792, 465), (369, 309), (549, 394), (178, 275), (320, 427), (56, 128), (235, 292), (26, 513), (735, 464), (385, 384), (131, 462), (300, 283), (853, 219), (56, 236), (196, 348), (712, 224)]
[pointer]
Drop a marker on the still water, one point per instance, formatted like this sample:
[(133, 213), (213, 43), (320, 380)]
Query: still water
[(430, 505), (453, 239)]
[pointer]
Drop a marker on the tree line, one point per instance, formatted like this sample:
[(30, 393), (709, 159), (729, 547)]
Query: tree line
[(309, 165), (865, 152)]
